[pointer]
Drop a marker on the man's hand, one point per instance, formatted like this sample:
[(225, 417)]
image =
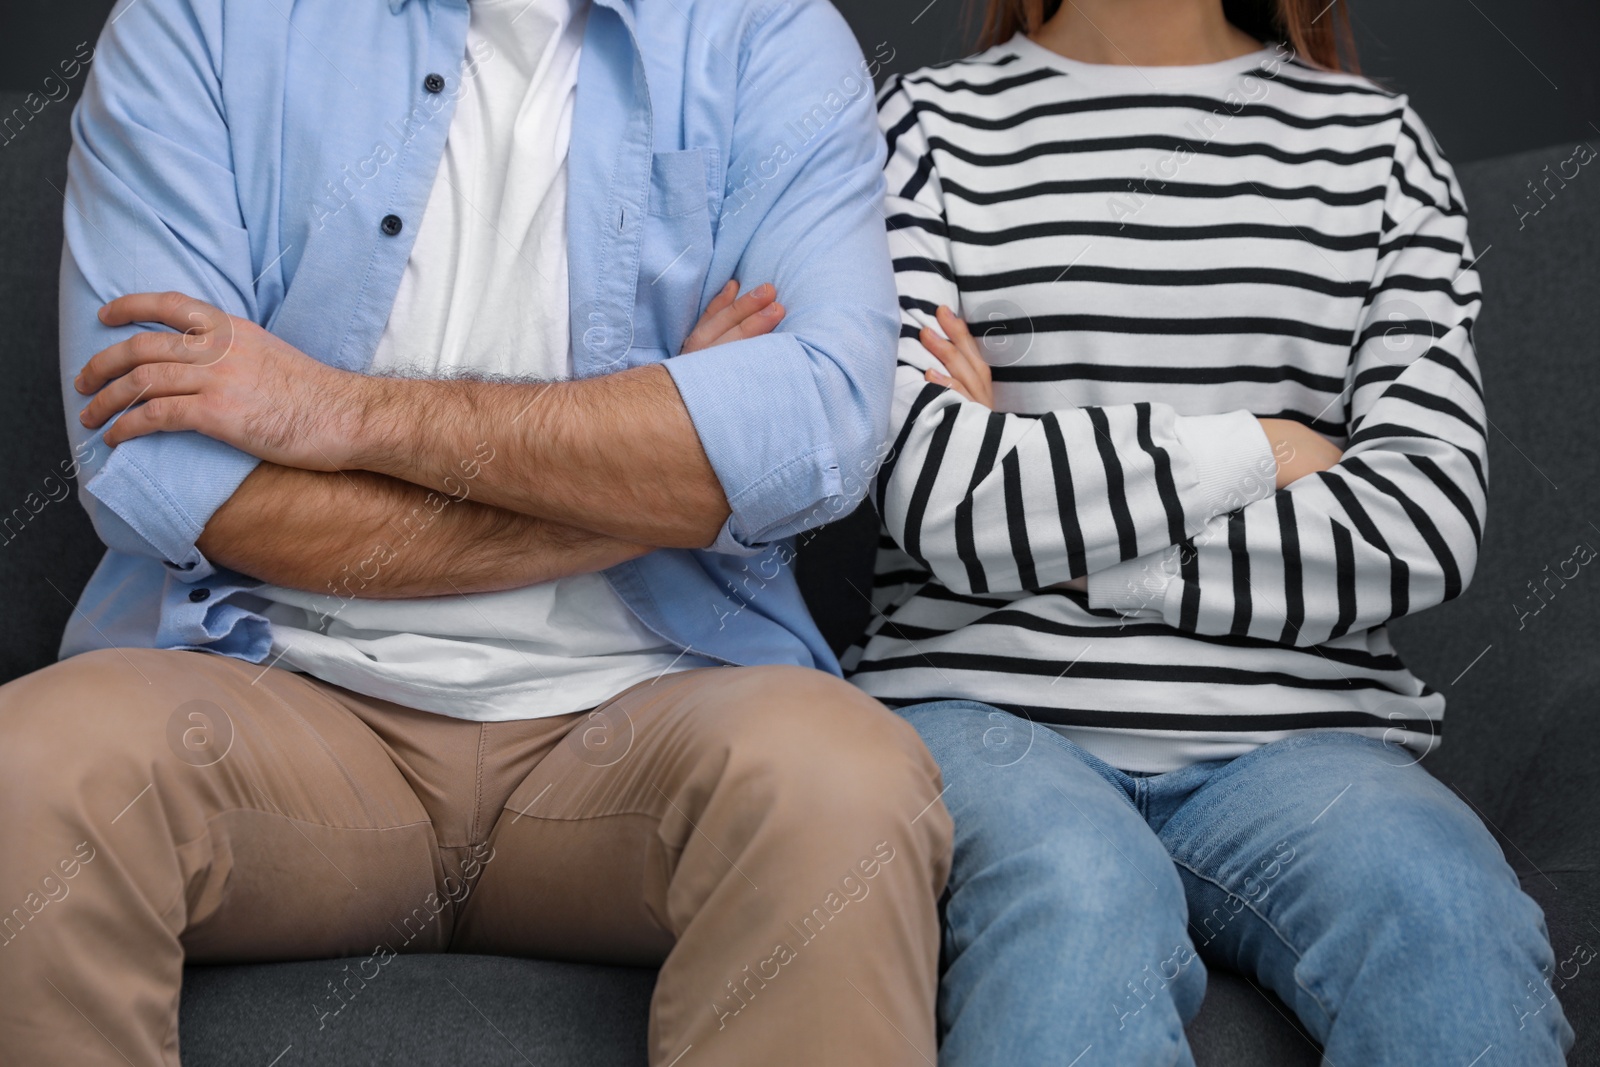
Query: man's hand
[(222, 376), (1299, 449), (230, 379), (969, 371)]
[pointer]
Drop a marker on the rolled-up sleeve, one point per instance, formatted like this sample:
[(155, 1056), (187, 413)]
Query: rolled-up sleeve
[(151, 205), (794, 423)]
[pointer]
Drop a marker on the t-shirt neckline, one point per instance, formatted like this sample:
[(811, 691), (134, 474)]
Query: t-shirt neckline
[(1136, 78)]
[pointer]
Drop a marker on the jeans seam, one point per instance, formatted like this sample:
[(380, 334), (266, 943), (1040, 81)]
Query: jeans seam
[(1299, 958)]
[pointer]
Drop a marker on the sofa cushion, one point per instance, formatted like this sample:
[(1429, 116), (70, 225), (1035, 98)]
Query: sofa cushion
[(439, 1009)]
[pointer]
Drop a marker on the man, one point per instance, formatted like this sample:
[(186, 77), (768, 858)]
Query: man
[(443, 610)]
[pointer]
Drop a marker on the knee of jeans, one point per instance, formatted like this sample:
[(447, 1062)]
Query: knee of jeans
[(1441, 898), (1071, 872)]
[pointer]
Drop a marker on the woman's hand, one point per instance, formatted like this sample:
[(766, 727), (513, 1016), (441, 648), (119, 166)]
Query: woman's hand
[(1299, 449), (969, 372), (731, 317)]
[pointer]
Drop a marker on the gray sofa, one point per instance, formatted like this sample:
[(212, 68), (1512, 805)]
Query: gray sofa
[(1522, 741)]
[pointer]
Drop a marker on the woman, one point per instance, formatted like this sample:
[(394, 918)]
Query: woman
[(1224, 421)]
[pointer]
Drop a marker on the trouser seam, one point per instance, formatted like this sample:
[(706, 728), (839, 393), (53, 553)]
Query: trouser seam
[(657, 816), (477, 788), (172, 1017), (308, 822), (1270, 926)]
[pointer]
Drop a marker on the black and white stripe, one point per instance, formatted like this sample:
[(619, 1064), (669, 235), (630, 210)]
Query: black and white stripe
[(1153, 259)]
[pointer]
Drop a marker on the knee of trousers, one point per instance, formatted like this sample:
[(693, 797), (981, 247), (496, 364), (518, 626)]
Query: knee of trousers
[(84, 722), (829, 767)]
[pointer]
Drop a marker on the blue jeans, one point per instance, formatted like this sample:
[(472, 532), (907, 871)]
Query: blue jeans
[(1327, 867)]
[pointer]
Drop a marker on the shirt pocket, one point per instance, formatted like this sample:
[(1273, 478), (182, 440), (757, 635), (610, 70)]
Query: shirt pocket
[(675, 253)]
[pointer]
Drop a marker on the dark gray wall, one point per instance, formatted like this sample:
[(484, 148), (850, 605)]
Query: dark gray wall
[(1489, 76)]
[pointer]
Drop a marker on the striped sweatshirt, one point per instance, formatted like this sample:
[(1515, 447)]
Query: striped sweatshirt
[(1153, 258)]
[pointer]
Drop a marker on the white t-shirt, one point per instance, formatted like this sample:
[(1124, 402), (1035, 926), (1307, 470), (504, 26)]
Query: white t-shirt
[(485, 291)]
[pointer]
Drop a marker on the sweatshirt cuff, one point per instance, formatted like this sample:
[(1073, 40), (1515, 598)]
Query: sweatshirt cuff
[(1233, 460), (1137, 586)]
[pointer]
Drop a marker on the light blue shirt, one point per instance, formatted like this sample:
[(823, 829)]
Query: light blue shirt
[(248, 153)]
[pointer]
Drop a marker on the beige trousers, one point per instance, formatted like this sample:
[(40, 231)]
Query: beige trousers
[(770, 836)]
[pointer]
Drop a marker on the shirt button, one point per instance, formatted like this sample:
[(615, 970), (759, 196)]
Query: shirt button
[(391, 225), (434, 83), (198, 595)]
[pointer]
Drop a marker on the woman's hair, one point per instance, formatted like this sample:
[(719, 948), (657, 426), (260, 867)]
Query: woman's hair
[(1318, 32)]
